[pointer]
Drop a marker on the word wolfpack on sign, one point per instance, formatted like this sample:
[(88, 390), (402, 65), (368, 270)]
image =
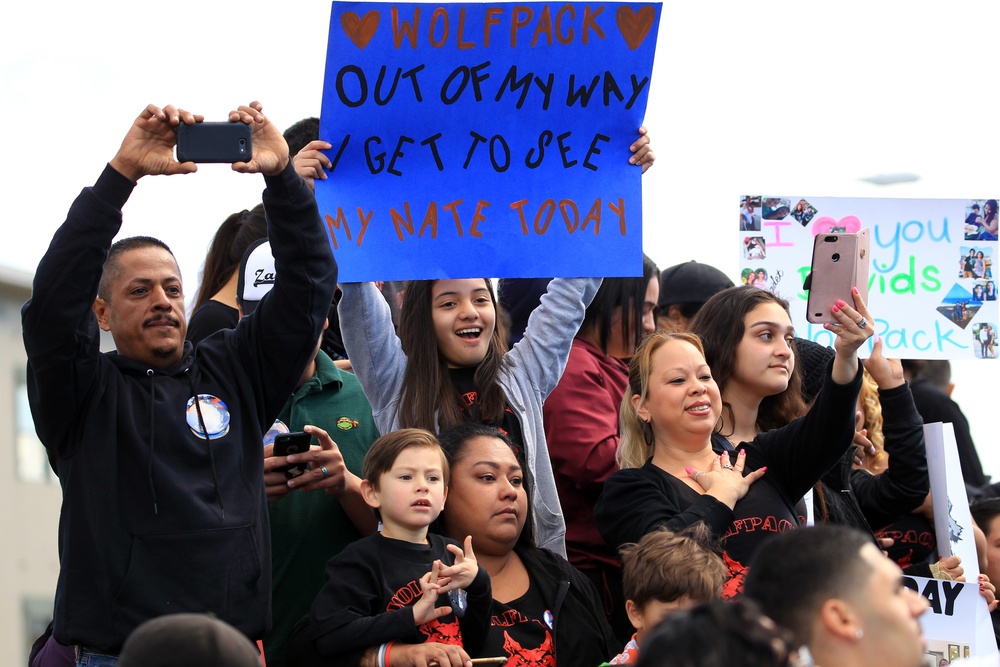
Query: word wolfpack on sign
[(491, 139)]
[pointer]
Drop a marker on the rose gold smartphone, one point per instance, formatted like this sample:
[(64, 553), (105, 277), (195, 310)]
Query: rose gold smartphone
[(840, 262)]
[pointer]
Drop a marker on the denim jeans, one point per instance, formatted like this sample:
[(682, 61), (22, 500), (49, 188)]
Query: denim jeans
[(88, 658)]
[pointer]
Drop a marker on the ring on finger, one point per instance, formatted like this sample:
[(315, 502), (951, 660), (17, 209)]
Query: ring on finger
[(863, 323), (727, 466), (696, 474), (326, 473)]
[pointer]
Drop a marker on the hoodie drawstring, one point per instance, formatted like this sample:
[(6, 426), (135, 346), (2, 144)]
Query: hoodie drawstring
[(152, 437), (208, 440)]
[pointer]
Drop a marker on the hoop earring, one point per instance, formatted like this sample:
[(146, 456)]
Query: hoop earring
[(647, 433)]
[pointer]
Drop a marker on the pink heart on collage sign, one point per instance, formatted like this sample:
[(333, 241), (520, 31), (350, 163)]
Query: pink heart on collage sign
[(360, 29), (849, 224), (634, 25)]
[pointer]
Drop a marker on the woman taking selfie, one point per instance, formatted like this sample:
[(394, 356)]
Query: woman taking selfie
[(756, 399)]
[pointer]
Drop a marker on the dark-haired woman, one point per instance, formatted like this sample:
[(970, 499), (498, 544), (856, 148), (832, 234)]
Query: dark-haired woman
[(545, 611), (750, 347), (215, 305)]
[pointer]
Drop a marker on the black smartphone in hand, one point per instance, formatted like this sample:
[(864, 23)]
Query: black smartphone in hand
[(292, 443), (214, 142)]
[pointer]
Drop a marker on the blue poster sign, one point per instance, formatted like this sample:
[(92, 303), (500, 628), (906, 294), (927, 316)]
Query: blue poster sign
[(473, 140)]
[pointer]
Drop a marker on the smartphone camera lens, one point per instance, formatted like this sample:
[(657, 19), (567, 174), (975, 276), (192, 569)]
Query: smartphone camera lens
[(836, 257), (243, 145)]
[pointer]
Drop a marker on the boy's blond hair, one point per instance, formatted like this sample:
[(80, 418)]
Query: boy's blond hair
[(668, 566)]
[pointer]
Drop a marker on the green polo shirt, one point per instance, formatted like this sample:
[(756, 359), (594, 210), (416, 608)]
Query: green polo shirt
[(309, 528)]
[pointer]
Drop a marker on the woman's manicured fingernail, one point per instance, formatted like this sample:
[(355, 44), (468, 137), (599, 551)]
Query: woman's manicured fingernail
[(688, 469)]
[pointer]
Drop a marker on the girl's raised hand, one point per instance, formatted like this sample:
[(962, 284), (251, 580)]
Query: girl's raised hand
[(854, 326), (887, 373)]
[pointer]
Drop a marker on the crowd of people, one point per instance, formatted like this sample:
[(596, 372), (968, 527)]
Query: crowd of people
[(572, 471)]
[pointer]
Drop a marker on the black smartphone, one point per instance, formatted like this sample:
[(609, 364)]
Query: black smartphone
[(839, 263), (214, 142), (292, 443)]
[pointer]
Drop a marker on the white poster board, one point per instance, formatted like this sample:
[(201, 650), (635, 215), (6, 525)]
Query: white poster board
[(929, 298), (958, 620)]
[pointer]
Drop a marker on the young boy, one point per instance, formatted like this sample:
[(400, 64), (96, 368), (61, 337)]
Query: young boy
[(396, 586), (666, 572)]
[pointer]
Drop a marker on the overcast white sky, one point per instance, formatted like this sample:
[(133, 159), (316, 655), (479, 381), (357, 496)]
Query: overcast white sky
[(772, 96)]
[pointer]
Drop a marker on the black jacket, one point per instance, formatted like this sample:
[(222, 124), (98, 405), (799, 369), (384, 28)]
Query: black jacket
[(581, 633), (871, 502), (156, 518), (935, 405)]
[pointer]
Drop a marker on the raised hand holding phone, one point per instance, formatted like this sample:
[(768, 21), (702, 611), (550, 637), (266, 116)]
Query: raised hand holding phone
[(840, 263)]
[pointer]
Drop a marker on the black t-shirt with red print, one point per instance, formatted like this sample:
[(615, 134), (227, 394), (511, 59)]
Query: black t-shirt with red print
[(636, 501), (468, 396)]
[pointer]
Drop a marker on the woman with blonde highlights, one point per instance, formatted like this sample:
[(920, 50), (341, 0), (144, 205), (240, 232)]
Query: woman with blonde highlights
[(751, 346), (672, 474)]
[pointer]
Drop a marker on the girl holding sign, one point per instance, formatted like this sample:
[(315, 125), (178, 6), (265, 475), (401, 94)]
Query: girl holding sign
[(450, 364)]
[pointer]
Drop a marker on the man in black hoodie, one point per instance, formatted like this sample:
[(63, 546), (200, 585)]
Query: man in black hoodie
[(158, 447)]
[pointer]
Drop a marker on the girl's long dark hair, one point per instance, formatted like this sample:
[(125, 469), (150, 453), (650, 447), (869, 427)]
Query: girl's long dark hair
[(719, 323), (630, 295), (429, 399), (231, 240)]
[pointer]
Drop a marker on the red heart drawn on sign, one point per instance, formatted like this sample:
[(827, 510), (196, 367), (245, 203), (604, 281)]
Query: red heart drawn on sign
[(849, 224), (359, 29), (634, 26)]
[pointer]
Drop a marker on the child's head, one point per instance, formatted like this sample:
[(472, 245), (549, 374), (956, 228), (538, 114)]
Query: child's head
[(986, 514), (666, 572), (405, 480)]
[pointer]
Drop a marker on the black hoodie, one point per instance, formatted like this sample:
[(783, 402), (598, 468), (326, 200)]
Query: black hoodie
[(156, 518)]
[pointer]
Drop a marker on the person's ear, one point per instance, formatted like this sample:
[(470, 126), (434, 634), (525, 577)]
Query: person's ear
[(634, 614), (640, 407), (370, 494), (841, 620), (103, 311)]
